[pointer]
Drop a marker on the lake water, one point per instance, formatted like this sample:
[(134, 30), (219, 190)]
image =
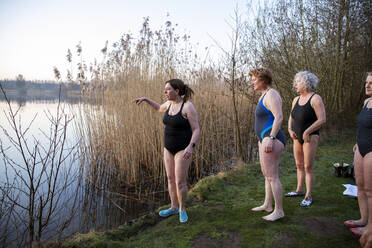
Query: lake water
[(53, 165)]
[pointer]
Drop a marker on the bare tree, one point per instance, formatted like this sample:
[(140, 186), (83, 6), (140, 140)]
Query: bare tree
[(330, 38), (41, 183), (231, 71)]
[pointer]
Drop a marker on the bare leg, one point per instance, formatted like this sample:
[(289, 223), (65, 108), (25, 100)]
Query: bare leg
[(360, 181), (268, 205), (170, 169), (181, 170), (270, 166), (367, 167), (309, 156), (299, 159)]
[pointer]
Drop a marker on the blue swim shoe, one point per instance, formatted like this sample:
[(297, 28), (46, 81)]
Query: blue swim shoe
[(183, 216), (306, 202), (168, 212)]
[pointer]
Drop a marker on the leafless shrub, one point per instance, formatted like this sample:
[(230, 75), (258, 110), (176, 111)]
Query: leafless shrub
[(39, 191)]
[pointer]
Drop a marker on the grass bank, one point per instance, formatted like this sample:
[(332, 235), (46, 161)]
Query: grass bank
[(220, 216)]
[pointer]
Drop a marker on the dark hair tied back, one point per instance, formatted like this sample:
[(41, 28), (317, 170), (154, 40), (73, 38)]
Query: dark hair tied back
[(183, 89)]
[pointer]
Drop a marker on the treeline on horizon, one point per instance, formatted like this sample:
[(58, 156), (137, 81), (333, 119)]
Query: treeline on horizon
[(21, 90), (14, 84)]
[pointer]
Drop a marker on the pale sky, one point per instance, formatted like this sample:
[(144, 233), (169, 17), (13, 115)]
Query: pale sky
[(35, 34)]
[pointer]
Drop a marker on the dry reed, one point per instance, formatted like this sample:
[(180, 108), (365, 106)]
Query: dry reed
[(123, 141)]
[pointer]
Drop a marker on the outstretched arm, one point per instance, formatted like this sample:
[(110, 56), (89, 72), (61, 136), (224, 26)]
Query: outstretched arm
[(160, 108)]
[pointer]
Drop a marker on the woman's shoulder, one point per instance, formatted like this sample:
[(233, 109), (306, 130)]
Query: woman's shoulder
[(164, 106), (188, 106), (273, 93), (316, 98)]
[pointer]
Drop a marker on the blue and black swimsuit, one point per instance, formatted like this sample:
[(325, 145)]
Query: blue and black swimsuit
[(264, 120)]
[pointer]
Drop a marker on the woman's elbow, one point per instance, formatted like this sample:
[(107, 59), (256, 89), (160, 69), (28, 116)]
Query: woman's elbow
[(196, 131), (279, 118), (322, 121)]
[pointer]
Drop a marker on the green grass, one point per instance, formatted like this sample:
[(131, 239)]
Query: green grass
[(220, 216)]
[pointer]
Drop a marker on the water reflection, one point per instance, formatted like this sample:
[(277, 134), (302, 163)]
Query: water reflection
[(83, 200)]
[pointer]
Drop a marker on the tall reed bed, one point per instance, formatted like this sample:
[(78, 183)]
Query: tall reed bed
[(123, 142)]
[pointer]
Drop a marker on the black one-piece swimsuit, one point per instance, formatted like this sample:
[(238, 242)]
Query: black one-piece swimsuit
[(303, 117), (177, 132), (364, 138)]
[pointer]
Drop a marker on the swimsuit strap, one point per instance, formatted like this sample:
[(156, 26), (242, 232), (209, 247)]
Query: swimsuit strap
[(365, 105), (311, 97), (298, 99), (181, 107), (168, 108), (264, 96), (180, 111)]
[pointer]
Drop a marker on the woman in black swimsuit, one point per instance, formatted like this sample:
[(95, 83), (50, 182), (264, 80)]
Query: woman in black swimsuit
[(180, 135), (307, 116), (363, 167)]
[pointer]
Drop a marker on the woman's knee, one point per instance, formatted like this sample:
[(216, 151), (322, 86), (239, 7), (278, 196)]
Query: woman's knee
[(300, 165), (272, 178), (361, 190), (171, 180), (360, 183), (367, 191), (181, 184), (308, 168)]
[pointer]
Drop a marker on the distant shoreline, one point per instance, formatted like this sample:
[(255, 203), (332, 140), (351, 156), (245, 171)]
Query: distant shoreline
[(40, 91)]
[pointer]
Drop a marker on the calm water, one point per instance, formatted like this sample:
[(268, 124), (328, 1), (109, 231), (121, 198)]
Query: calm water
[(89, 207)]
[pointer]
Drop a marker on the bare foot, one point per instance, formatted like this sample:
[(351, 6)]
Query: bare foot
[(263, 208), (276, 215), (357, 231)]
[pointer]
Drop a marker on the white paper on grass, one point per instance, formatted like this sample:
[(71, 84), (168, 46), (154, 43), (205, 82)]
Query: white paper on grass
[(351, 190)]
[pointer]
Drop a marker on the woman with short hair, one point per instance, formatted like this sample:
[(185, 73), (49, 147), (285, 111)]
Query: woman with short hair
[(268, 119), (307, 116)]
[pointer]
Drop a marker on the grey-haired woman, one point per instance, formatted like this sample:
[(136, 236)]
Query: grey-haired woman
[(307, 116)]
